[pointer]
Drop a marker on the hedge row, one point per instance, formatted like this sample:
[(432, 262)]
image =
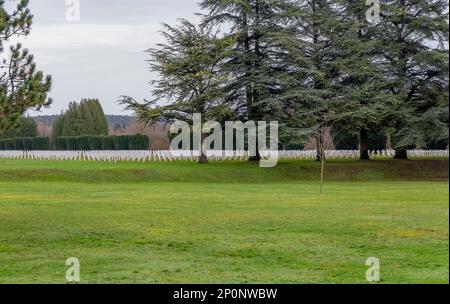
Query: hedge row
[(124, 142), (25, 143), (85, 143)]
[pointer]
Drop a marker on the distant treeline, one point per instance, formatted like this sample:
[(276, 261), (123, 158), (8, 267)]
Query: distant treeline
[(81, 143), (124, 120)]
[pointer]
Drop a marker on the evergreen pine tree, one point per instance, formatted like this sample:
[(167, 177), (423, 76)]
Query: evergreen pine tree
[(57, 129), (85, 118), (21, 86), (191, 79), (26, 127), (365, 101), (254, 61), (99, 122), (414, 55), (318, 45)]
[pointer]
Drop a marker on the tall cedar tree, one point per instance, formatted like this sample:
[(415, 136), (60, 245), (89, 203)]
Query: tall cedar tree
[(364, 102), (190, 77), (414, 55), (255, 58), (313, 43), (21, 86), (321, 52)]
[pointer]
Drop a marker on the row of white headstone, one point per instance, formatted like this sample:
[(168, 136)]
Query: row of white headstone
[(167, 156)]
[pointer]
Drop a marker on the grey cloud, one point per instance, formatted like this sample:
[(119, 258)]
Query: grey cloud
[(103, 55)]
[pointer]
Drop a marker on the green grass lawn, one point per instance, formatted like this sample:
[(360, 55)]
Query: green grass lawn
[(224, 222)]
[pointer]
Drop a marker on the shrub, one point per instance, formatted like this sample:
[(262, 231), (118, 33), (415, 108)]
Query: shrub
[(18, 143), (95, 143), (83, 143), (40, 143), (121, 142), (61, 143), (23, 143), (138, 142), (86, 143), (72, 143), (108, 143), (10, 144)]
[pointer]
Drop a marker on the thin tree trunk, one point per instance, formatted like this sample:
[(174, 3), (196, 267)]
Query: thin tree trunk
[(203, 158), (319, 155), (364, 144), (249, 89), (320, 146), (323, 158), (254, 91), (322, 174)]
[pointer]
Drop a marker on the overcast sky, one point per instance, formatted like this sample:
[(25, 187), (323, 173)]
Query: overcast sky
[(101, 56)]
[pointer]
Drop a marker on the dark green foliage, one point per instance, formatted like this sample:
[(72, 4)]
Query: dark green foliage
[(93, 108), (2, 144), (22, 86), (72, 143), (377, 141), (256, 52), (295, 146), (60, 144), (437, 144), (58, 125), (28, 127), (19, 144), (311, 65), (10, 144), (413, 53), (108, 142), (96, 143), (191, 79), (121, 142), (138, 142), (25, 127), (40, 143), (23, 143), (83, 143), (345, 140), (81, 119), (73, 122)]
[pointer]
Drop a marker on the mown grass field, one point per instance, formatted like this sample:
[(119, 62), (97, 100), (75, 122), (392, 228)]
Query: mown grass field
[(224, 222)]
